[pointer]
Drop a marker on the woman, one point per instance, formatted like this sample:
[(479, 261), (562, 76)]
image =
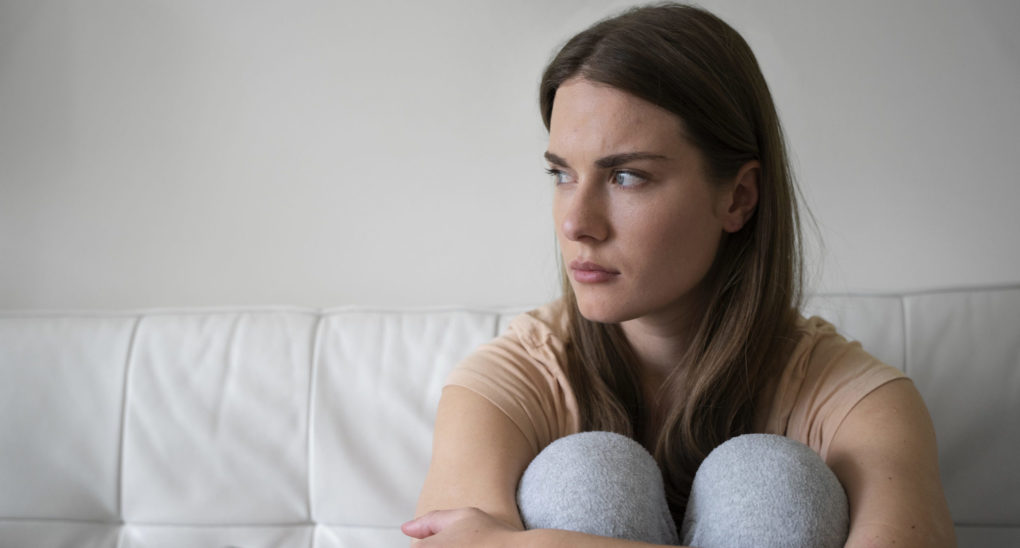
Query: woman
[(678, 333)]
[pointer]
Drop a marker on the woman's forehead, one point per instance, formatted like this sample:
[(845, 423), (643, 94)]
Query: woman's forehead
[(598, 119)]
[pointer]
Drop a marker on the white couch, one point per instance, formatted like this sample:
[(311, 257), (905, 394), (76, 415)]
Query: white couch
[(263, 427)]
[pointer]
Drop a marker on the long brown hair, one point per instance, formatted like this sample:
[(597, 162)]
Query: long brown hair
[(694, 65)]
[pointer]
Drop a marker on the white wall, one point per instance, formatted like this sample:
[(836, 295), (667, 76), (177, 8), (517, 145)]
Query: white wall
[(324, 153)]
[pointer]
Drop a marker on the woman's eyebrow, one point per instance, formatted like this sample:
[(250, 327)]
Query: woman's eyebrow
[(615, 160), (554, 159), (611, 161)]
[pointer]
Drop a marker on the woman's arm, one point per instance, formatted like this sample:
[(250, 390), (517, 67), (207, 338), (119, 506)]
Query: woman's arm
[(469, 496), (885, 456), (478, 456)]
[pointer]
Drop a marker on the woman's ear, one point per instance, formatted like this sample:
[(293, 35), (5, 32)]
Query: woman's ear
[(740, 197)]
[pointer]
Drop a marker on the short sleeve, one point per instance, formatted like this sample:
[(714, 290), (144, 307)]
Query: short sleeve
[(521, 373), (826, 378)]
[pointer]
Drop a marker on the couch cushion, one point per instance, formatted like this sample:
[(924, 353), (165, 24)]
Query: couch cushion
[(378, 379), (61, 398), (963, 352), (874, 320), (359, 537), (184, 535), (59, 534), (217, 418)]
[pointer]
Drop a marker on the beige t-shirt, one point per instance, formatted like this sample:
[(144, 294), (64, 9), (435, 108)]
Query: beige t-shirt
[(521, 373)]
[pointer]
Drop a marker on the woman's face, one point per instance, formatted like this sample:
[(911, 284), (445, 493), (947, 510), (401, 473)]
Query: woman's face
[(637, 221)]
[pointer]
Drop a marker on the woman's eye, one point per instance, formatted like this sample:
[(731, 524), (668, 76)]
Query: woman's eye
[(627, 179), (559, 177)]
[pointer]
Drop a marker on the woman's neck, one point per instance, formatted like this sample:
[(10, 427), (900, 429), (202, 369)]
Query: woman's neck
[(660, 340), (658, 348)]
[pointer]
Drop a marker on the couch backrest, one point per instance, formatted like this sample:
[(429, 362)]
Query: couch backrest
[(301, 427)]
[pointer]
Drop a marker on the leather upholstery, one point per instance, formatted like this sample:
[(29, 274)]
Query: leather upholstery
[(269, 427)]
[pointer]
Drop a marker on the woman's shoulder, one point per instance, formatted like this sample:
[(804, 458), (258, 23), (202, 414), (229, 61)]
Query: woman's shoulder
[(822, 350), (819, 346), (825, 376), (522, 373), (534, 342), (545, 325)]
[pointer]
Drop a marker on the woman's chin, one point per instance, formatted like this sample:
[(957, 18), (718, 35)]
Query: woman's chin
[(601, 312)]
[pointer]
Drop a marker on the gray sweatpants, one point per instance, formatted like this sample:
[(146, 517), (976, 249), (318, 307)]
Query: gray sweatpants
[(753, 490)]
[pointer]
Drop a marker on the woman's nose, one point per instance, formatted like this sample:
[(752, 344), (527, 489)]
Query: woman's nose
[(585, 214)]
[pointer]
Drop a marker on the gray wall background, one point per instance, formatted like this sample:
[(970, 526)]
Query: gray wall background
[(170, 153)]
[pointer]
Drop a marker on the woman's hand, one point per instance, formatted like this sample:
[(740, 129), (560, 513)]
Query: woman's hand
[(463, 527)]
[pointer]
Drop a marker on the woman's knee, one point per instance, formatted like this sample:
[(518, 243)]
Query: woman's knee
[(599, 483), (767, 490)]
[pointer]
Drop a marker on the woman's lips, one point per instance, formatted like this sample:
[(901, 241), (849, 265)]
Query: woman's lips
[(588, 272)]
